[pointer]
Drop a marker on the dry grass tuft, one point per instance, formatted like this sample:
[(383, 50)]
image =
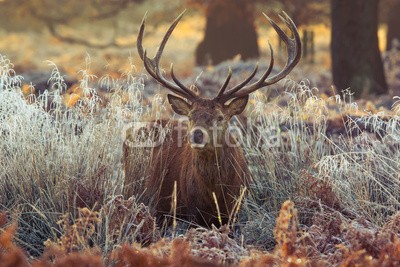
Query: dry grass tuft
[(10, 254), (126, 218), (178, 254), (215, 245), (76, 236)]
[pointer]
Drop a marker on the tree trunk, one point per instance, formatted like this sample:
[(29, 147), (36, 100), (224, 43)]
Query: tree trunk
[(356, 59), (393, 25), (229, 31)]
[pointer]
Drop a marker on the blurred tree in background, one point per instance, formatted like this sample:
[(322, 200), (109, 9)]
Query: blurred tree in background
[(356, 59), (230, 27), (390, 13), (302, 12), (229, 31)]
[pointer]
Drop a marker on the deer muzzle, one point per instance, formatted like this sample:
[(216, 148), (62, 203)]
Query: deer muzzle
[(198, 137)]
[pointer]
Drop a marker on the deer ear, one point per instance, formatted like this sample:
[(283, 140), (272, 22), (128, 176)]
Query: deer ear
[(179, 105), (237, 105)]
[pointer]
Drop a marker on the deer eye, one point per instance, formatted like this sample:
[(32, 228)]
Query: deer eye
[(220, 118)]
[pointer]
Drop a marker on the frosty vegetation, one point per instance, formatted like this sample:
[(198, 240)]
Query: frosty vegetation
[(55, 160)]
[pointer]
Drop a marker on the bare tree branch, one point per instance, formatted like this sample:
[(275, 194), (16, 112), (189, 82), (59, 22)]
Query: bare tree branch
[(73, 40), (102, 9)]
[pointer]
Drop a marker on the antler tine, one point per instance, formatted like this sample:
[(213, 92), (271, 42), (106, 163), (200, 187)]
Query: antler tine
[(166, 37), (152, 65), (141, 50), (140, 37), (179, 83), (221, 96), (258, 84), (222, 90), (293, 48), (148, 65), (155, 73), (294, 54)]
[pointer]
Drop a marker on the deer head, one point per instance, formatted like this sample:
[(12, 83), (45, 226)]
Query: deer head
[(206, 115)]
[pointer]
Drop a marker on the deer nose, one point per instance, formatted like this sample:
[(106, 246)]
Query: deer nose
[(198, 137)]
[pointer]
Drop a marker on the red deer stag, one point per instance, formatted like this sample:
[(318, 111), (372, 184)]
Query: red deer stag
[(207, 170)]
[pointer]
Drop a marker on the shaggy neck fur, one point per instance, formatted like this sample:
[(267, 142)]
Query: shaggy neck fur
[(212, 165)]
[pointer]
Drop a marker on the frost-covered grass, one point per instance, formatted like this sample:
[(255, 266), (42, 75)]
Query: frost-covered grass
[(55, 159), (300, 159)]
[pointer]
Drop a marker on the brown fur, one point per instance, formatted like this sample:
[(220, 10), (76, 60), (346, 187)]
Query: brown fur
[(197, 172)]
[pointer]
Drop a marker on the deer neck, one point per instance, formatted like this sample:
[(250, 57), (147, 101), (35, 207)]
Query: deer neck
[(210, 164)]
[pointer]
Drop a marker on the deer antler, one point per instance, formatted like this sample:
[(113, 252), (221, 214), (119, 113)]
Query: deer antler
[(294, 54), (152, 65), (293, 49)]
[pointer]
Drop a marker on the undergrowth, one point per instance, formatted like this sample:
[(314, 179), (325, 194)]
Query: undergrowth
[(55, 159), (356, 244), (323, 153), (63, 186)]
